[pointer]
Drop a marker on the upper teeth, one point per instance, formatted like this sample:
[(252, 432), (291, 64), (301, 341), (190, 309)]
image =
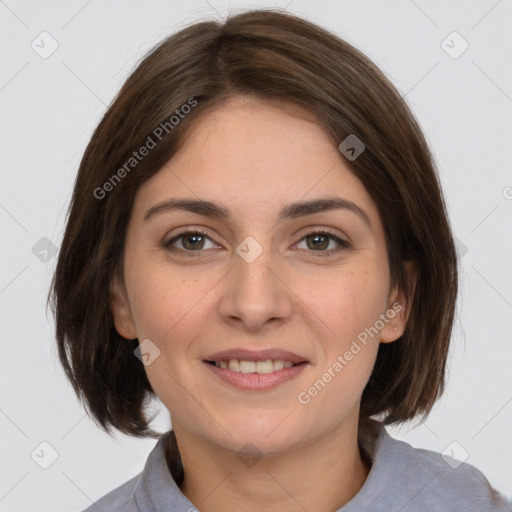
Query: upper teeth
[(242, 366)]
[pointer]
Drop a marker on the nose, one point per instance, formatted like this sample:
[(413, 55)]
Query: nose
[(256, 293)]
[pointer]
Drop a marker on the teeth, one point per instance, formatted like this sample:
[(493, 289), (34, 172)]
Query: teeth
[(278, 364), (247, 366), (265, 366), (242, 366)]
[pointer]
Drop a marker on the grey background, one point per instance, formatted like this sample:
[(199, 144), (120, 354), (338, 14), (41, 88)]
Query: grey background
[(49, 107)]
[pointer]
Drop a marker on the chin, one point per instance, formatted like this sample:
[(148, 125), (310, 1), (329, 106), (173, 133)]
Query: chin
[(270, 436)]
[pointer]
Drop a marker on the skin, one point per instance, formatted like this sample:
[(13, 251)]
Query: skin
[(254, 158)]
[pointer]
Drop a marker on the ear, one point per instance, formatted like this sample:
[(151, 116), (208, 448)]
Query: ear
[(120, 308), (399, 307)]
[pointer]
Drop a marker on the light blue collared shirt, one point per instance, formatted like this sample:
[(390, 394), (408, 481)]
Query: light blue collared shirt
[(402, 479)]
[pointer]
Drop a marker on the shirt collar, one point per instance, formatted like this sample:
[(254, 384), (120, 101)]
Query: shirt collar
[(157, 490)]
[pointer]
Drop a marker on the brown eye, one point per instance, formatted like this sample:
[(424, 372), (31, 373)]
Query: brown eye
[(190, 240), (318, 241), (194, 241)]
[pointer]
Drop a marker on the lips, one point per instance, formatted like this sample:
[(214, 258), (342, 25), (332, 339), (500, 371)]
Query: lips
[(256, 370), (258, 355)]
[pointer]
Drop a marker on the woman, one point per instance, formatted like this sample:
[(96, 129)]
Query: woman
[(257, 237)]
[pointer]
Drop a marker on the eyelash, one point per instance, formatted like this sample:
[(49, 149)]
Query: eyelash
[(343, 243)]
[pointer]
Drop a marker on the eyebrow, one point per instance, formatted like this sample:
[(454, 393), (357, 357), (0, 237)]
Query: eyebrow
[(291, 211)]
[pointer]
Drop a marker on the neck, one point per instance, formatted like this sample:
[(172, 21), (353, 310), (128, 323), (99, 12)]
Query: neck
[(323, 475)]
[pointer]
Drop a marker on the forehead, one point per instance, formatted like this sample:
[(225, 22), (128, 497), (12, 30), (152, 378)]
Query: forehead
[(255, 157)]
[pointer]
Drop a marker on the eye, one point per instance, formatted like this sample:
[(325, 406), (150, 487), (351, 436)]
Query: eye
[(320, 239), (191, 240)]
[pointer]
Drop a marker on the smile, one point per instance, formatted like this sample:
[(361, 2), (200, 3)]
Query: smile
[(255, 375), (245, 366)]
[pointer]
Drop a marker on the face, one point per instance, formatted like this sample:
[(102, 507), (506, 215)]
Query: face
[(308, 285)]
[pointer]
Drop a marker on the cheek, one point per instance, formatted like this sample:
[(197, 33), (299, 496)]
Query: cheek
[(169, 310), (348, 303), (350, 307), (165, 303)]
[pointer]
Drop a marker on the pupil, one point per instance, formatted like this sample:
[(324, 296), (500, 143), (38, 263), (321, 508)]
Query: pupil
[(195, 237), (316, 237)]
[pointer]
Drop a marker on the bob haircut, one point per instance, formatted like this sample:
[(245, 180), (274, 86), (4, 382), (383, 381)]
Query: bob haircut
[(297, 65)]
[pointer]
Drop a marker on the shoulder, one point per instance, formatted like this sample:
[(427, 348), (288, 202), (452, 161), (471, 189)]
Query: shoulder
[(120, 499), (450, 484), (410, 479), (154, 489)]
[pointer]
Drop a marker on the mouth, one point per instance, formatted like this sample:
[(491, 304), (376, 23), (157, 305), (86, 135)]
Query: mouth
[(255, 371), (262, 367)]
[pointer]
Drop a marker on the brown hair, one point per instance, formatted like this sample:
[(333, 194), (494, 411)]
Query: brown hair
[(284, 59)]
